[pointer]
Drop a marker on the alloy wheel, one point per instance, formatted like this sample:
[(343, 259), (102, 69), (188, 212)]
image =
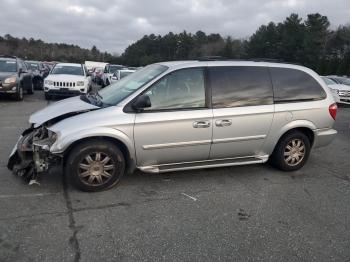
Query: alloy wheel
[(294, 152), (96, 169)]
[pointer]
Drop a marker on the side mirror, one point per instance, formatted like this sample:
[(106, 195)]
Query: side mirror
[(141, 102)]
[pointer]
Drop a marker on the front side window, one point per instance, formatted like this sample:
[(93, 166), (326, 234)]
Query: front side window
[(292, 85), (182, 89), (237, 86)]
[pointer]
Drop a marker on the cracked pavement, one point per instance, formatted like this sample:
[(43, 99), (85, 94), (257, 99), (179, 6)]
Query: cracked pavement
[(245, 213)]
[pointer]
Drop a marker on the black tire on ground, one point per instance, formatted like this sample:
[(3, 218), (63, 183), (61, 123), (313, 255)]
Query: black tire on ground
[(95, 165), (291, 152), (47, 96), (38, 84), (107, 82), (19, 94), (30, 90)]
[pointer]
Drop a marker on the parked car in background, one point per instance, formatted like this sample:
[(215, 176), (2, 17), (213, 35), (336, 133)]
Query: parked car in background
[(15, 77), (119, 74), (181, 115), (108, 72), (38, 70), (67, 79), (97, 75), (333, 87), (340, 85), (94, 64)]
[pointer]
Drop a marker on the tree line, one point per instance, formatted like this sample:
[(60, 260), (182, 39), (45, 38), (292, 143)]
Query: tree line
[(310, 42)]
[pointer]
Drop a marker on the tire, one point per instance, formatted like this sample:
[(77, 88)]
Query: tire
[(19, 95), (291, 152), (107, 82), (47, 96), (95, 165), (30, 90)]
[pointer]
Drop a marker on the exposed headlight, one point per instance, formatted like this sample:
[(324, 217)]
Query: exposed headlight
[(10, 80), (80, 83), (52, 135), (48, 82)]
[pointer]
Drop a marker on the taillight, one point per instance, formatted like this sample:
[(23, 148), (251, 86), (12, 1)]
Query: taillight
[(333, 110)]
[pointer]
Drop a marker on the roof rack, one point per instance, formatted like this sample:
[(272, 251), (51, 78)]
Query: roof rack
[(8, 56), (220, 58)]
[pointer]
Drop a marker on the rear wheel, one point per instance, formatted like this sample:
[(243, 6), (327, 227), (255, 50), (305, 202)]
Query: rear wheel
[(291, 152), (30, 90), (95, 165)]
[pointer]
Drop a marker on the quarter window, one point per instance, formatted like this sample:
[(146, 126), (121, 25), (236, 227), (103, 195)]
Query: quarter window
[(292, 85), (237, 86), (178, 90)]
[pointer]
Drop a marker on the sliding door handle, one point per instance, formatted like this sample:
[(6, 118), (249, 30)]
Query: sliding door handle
[(224, 122), (201, 124)]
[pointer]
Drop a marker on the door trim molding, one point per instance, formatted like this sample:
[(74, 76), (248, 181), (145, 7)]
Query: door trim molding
[(238, 139), (177, 144)]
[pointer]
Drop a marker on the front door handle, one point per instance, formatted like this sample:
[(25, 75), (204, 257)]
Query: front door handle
[(224, 122), (201, 124)]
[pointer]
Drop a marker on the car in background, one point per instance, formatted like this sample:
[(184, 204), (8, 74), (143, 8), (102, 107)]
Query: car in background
[(96, 75), (39, 72), (340, 85), (108, 73), (333, 87), (14, 77), (119, 74), (67, 79)]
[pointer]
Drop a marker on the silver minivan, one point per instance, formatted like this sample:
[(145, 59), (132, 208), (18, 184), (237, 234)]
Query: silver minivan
[(178, 116)]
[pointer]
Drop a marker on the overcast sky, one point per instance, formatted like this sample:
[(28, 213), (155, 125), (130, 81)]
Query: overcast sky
[(114, 24)]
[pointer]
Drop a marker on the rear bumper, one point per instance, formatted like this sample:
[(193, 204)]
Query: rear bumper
[(324, 137)]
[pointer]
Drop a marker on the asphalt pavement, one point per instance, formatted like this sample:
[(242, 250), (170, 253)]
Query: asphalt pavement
[(245, 213)]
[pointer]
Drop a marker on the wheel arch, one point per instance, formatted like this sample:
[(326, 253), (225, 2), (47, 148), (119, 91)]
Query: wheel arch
[(127, 152)]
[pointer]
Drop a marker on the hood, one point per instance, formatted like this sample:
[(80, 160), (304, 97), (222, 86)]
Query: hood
[(66, 78), (59, 109), (4, 75), (340, 87)]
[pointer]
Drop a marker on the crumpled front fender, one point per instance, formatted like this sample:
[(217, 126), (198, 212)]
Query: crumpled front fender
[(63, 142)]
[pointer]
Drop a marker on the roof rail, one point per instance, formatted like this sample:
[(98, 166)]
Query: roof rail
[(220, 58)]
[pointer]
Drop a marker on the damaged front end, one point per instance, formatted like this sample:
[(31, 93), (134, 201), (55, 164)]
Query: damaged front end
[(31, 155)]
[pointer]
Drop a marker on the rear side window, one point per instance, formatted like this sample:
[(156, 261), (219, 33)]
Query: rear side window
[(237, 86), (292, 85)]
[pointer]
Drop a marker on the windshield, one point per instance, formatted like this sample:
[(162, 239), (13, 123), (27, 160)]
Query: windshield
[(113, 68), (33, 66), (125, 73), (115, 93), (328, 81), (67, 70), (344, 80), (8, 66)]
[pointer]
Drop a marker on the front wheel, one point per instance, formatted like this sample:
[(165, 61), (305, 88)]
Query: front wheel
[(292, 151), (19, 94), (95, 165)]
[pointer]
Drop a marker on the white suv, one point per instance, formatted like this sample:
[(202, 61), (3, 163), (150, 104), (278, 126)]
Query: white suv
[(67, 79)]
